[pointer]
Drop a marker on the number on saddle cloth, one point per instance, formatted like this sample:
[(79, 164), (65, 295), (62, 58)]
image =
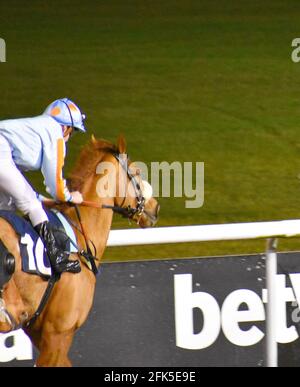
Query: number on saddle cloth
[(34, 257)]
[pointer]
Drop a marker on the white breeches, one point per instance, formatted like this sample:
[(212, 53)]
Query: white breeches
[(15, 192)]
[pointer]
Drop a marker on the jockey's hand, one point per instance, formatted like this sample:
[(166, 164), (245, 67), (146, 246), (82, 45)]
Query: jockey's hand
[(77, 197)]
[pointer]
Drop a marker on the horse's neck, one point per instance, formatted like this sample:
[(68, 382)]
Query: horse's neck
[(96, 224)]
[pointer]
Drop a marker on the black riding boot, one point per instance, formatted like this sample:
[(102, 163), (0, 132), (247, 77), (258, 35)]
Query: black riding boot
[(58, 259)]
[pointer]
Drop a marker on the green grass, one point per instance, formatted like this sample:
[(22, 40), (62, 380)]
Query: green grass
[(209, 81)]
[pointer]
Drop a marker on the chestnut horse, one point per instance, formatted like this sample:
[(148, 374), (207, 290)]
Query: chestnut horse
[(72, 296)]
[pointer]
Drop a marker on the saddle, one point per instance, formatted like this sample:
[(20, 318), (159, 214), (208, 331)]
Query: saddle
[(34, 257)]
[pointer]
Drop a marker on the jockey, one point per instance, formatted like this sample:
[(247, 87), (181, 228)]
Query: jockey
[(38, 143)]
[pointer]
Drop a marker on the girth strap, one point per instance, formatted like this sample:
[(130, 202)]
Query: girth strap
[(52, 281)]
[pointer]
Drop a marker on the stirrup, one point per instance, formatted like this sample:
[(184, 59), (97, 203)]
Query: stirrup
[(67, 266)]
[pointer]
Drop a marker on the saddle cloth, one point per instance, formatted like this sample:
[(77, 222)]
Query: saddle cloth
[(34, 257)]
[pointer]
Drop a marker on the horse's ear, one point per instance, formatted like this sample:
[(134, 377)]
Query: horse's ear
[(122, 144), (94, 141)]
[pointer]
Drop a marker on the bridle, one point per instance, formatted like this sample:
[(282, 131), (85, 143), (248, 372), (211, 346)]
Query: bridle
[(132, 213)]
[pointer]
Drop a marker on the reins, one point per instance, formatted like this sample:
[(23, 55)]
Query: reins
[(88, 255)]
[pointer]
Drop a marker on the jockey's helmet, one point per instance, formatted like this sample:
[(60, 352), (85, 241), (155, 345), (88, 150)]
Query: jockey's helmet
[(66, 112)]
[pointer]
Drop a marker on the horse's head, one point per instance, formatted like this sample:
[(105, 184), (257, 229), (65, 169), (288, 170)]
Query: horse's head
[(134, 195), (116, 182)]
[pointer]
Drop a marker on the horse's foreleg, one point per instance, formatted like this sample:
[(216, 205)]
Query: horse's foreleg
[(54, 349)]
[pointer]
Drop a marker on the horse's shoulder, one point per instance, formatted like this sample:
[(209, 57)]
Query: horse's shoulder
[(9, 237), (5, 228)]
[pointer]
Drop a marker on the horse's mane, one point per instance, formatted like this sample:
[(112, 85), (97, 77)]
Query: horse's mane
[(89, 157)]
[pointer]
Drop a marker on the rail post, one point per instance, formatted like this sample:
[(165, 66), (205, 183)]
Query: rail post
[(271, 271)]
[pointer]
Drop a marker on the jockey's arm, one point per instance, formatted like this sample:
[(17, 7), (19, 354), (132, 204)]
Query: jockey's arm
[(52, 170)]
